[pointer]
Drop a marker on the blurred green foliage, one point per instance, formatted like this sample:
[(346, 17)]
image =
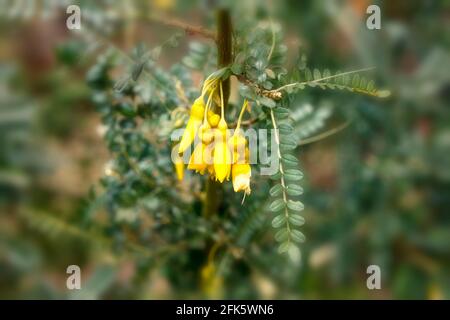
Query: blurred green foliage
[(375, 192)]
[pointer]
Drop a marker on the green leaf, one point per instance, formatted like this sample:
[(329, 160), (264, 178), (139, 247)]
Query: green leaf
[(260, 64), (371, 86), (191, 62), (284, 247), (137, 70), (297, 236), (246, 92), (121, 84), (281, 112), (276, 176), (267, 102), (296, 220), (156, 53), (294, 172), (363, 83), (278, 221), (289, 164), (330, 86), (281, 235), (289, 159), (276, 190), (356, 81), (339, 80), (221, 73), (270, 73), (287, 146), (302, 62), (308, 74), (293, 177), (198, 47), (317, 74), (126, 110), (285, 128), (277, 205), (295, 205), (346, 80), (240, 58), (294, 190), (237, 68)]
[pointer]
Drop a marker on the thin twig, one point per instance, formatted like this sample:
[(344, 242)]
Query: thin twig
[(325, 134), (272, 47), (189, 29)]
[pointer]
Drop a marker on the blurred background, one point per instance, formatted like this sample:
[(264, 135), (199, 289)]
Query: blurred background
[(377, 192)]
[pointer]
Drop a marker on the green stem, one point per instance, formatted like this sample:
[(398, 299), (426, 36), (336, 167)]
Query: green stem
[(283, 183), (296, 84)]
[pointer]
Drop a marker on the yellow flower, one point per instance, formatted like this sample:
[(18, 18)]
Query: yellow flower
[(205, 133), (179, 168), (241, 174), (222, 154), (222, 161), (238, 145), (198, 159), (194, 122), (216, 154), (213, 119)]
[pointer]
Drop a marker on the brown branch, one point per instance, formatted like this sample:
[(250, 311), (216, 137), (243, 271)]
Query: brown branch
[(224, 58), (189, 29), (272, 94)]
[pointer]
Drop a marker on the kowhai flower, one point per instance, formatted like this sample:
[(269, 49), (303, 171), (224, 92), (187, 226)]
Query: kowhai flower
[(216, 153)]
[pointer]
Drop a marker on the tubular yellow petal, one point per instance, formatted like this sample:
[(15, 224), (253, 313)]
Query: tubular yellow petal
[(197, 160), (222, 126), (213, 120), (207, 137), (238, 145), (241, 174), (198, 108), (189, 133), (222, 153), (194, 122), (179, 168), (206, 133), (222, 160)]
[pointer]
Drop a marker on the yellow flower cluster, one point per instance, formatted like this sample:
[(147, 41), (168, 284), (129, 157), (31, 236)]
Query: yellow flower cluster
[(217, 153)]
